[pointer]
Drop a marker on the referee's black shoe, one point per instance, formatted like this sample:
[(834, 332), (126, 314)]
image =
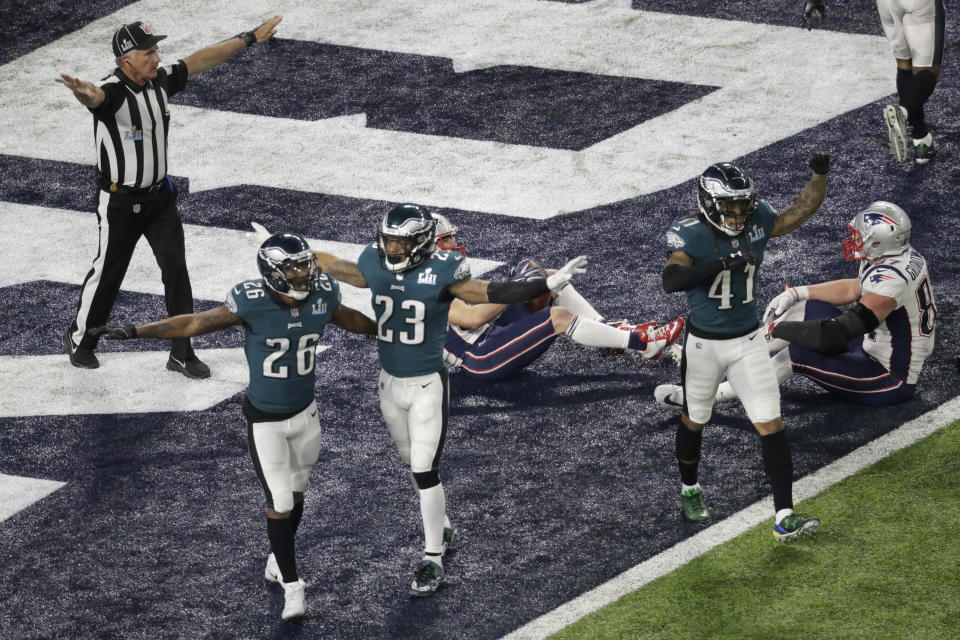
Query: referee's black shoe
[(79, 356), (191, 367)]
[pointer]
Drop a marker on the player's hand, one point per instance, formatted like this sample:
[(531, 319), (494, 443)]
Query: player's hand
[(258, 236), (811, 7), (124, 332), (779, 305), (563, 275), (820, 163), (737, 259)]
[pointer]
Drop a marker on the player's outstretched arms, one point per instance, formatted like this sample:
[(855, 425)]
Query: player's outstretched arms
[(342, 270), (351, 320), (809, 199), (185, 326), (516, 291)]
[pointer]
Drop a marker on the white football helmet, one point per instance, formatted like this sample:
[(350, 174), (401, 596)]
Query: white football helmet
[(446, 235), (882, 229)]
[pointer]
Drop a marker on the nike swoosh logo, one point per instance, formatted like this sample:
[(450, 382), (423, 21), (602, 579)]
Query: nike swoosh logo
[(753, 336), (424, 386), (182, 363), (313, 414)]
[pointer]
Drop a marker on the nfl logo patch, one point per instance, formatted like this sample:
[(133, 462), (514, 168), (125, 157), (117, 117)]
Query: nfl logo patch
[(136, 208), (295, 313)]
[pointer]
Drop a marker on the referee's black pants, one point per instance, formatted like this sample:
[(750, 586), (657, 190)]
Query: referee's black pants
[(123, 218)]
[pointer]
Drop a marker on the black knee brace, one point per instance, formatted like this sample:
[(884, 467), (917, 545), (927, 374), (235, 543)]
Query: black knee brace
[(426, 479)]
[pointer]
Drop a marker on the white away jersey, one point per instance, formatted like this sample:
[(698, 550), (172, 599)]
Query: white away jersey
[(905, 338)]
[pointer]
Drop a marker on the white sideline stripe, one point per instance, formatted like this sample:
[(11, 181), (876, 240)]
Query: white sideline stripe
[(683, 552)]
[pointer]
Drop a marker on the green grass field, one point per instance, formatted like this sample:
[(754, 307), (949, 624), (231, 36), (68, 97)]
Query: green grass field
[(885, 564)]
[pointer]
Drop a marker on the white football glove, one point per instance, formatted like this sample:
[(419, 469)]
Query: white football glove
[(779, 305), (563, 275), (258, 236)]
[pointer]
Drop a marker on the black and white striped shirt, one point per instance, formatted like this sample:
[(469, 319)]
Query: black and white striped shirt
[(130, 126)]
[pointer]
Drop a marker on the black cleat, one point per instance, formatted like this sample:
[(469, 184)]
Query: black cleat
[(79, 357), (191, 367)]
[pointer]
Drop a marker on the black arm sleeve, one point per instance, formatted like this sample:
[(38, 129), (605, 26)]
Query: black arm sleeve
[(515, 292), (677, 277), (828, 336)]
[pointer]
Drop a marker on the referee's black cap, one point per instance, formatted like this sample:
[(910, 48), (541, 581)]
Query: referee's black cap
[(135, 35)]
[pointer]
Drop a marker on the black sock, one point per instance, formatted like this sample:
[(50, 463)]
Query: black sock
[(918, 91), (296, 515), (904, 76), (688, 453), (779, 467), (280, 533)]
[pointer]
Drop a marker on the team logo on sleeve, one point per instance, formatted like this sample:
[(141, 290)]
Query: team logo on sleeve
[(462, 272), (674, 241), (230, 303)]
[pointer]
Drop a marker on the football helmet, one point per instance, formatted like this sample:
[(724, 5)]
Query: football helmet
[(288, 266), (726, 198), (413, 227), (882, 229), (446, 236)]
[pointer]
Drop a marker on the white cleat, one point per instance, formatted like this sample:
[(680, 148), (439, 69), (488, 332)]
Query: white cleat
[(895, 118), (669, 395), (293, 600)]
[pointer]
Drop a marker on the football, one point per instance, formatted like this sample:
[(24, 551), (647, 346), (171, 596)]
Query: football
[(530, 269)]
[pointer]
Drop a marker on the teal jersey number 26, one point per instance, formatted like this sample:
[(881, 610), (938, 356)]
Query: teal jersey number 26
[(281, 342), (411, 309), (726, 305)]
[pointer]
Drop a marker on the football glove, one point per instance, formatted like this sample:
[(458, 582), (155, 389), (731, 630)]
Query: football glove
[(820, 163), (563, 275), (124, 332), (737, 259), (779, 305), (811, 7)]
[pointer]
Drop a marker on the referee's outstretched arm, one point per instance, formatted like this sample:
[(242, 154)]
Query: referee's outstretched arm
[(211, 56), (89, 95)]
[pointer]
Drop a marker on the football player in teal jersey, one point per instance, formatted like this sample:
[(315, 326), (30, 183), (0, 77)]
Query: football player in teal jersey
[(283, 315), (714, 257), (412, 285)]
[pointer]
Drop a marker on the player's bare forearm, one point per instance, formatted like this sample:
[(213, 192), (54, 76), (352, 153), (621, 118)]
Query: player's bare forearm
[(353, 321), (836, 291), (342, 270), (471, 317), (470, 290), (189, 325), (803, 207)]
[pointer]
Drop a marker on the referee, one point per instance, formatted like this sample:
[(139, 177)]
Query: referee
[(136, 197)]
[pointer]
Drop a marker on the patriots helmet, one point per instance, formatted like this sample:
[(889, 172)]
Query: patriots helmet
[(882, 229), (411, 227), (726, 198), (446, 236), (288, 266)]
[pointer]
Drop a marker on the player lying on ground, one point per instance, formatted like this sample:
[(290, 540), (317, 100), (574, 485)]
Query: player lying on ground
[(490, 342)]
